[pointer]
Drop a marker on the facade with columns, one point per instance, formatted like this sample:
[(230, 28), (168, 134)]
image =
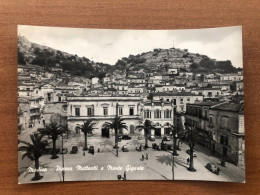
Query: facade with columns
[(102, 109), (161, 114)]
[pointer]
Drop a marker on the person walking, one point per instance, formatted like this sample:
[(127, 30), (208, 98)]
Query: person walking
[(125, 175), (188, 160), (142, 156), (146, 156)]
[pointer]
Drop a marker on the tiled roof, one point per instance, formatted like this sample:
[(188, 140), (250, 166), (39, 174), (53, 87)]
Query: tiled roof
[(174, 94), (233, 107)]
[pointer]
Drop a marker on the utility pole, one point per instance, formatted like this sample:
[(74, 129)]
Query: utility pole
[(63, 172), (116, 133)]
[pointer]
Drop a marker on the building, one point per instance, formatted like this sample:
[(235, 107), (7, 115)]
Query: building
[(207, 92), (161, 114), (103, 109), (226, 121), (179, 99)]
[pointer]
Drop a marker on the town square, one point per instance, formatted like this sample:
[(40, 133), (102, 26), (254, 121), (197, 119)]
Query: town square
[(164, 114)]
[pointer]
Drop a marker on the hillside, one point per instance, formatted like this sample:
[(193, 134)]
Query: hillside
[(156, 60), (160, 59), (35, 54)]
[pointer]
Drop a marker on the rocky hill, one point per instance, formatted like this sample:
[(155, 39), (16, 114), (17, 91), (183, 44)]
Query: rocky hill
[(156, 60), (36, 54), (161, 59)]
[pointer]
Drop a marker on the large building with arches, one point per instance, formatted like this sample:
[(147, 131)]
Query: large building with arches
[(103, 109)]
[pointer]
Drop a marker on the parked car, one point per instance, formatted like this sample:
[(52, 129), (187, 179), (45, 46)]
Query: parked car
[(91, 150), (64, 151), (151, 138), (166, 138), (194, 153), (125, 149), (126, 137), (211, 167), (156, 146), (170, 146), (139, 137), (74, 150), (164, 146)]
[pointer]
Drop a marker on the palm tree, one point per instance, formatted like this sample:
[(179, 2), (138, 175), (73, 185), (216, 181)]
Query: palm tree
[(147, 126), (34, 150), (53, 130), (191, 135), (116, 124), (87, 128)]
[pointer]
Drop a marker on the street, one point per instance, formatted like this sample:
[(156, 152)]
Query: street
[(106, 166)]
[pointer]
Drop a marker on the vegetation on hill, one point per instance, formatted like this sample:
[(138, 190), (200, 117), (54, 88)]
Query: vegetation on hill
[(158, 59)]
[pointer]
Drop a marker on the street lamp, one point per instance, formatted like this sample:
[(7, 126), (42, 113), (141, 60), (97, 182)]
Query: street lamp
[(62, 153)]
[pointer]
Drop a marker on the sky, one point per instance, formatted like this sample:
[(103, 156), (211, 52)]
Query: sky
[(107, 45)]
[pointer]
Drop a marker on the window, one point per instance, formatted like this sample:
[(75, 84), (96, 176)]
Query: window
[(210, 94), (77, 111), (167, 114), (157, 114), (49, 97), (147, 114), (131, 111), (105, 111), (59, 99), (182, 109), (120, 111), (211, 120), (224, 122), (206, 114), (89, 111), (188, 99), (174, 101)]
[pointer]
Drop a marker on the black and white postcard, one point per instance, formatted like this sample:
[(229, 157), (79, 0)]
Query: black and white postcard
[(103, 104)]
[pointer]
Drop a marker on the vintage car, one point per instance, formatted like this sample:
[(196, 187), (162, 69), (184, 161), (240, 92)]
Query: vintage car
[(211, 167), (125, 149), (74, 150), (151, 138), (91, 150), (126, 137), (156, 146), (64, 151)]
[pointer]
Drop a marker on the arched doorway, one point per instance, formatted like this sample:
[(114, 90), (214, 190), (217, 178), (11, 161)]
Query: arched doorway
[(132, 129), (104, 131)]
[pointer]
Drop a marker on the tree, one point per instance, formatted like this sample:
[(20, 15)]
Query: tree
[(116, 124), (147, 127), (34, 150), (87, 128), (53, 130), (21, 58), (191, 135)]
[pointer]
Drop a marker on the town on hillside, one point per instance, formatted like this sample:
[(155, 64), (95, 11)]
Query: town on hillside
[(174, 96)]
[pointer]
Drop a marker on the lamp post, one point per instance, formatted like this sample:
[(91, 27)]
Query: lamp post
[(63, 172)]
